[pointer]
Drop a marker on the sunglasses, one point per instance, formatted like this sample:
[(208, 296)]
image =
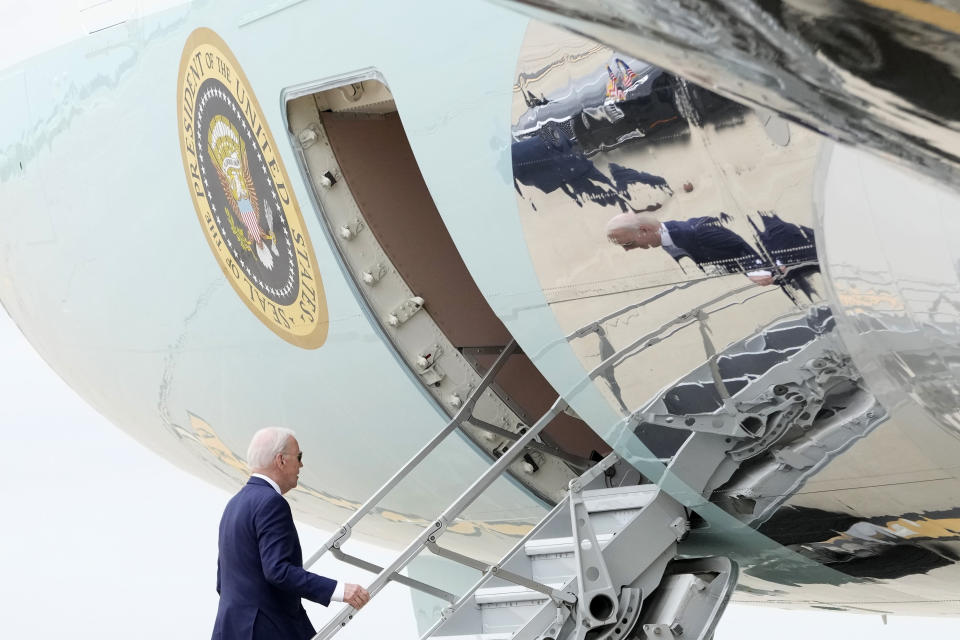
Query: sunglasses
[(299, 456)]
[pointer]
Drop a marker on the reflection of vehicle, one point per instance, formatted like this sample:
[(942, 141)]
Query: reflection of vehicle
[(649, 111), (653, 104), (412, 287), (809, 61), (606, 107)]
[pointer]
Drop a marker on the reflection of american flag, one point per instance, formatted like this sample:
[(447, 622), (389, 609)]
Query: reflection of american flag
[(613, 91), (612, 85)]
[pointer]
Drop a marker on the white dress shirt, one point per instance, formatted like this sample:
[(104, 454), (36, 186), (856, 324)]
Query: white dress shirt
[(665, 239), (338, 590), (666, 243)]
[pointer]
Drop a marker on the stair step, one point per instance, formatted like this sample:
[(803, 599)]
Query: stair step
[(497, 612), (620, 498), (510, 594), (479, 636), (556, 546)]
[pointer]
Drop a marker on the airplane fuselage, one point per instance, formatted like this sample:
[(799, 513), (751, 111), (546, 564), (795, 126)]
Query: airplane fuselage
[(196, 279)]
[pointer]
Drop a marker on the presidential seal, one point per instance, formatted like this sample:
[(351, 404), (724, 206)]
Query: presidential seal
[(242, 196)]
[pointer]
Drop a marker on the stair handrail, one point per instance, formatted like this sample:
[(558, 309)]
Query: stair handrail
[(343, 533), (442, 522), (496, 570)]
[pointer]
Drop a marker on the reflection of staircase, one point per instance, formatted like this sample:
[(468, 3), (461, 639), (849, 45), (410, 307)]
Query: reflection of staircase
[(739, 367), (789, 399), (744, 362)]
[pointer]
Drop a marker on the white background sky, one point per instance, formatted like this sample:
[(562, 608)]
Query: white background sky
[(100, 538)]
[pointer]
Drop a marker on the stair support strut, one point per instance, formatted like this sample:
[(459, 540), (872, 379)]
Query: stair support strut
[(597, 602), (396, 577)]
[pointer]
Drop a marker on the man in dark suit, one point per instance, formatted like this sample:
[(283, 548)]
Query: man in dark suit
[(704, 240), (260, 574), (553, 161), (792, 247)]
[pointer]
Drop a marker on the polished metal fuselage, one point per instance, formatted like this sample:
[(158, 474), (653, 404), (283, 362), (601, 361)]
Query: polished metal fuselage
[(104, 268)]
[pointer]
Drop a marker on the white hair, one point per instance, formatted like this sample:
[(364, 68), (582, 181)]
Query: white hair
[(265, 445), (632, 221)]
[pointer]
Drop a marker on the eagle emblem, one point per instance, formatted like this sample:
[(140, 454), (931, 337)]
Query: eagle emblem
[(228, 154), (242, 195)]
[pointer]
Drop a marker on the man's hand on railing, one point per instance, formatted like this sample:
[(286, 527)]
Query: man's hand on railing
[(762, 278), (355, 595)]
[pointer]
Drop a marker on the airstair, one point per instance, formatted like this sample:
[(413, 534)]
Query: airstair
[(603, 563)]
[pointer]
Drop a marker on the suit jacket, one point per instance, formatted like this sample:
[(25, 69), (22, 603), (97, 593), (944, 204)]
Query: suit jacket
[(706, 241), (260, 574), (786, 242), (548, 164)]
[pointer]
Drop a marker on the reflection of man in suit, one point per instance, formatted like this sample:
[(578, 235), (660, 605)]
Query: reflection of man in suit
[(704, 240), (260, 574), (792, 247), (553, 161)]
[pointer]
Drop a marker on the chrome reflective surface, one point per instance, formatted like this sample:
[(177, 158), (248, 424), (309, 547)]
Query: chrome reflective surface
[(894, 262), (675, 235), (655, 209), (877, 73)]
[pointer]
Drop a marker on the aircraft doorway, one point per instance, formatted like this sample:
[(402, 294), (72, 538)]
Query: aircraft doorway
[(396, 250)]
